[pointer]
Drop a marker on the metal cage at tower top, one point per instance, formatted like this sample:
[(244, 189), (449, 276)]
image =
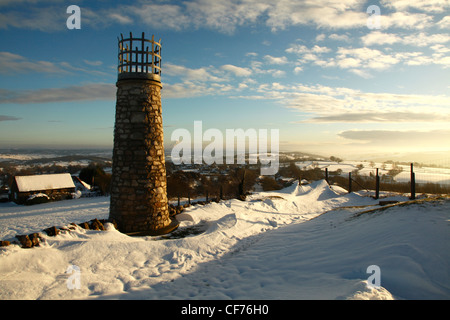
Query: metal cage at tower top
[(139, 56)]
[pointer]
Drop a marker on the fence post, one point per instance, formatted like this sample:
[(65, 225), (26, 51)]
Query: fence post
[(377, 186), (326, 176), (349, 182), (413, 183)]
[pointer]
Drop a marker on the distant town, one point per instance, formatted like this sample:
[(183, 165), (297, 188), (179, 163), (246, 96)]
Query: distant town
[(90, 171)]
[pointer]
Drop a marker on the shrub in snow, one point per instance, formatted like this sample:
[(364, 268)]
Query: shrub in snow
[(37, 198)]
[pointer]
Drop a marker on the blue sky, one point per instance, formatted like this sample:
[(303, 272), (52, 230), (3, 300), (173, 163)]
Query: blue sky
[(312, 69)]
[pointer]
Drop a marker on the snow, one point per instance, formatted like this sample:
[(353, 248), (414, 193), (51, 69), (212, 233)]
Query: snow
[(44, 182), (302, 242)]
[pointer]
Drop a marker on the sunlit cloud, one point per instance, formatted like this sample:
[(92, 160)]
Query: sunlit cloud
[(89, 92)]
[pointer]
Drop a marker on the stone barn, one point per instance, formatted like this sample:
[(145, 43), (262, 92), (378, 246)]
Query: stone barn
[(55, 186)]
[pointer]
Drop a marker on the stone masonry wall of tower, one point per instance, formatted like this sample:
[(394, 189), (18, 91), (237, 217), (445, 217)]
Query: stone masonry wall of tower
[(138, 195)]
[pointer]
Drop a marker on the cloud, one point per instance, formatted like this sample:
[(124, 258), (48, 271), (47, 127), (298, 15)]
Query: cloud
[(332, 14), (298, 70), (361, 73), (48, 19), (166, 16), (89, 92), (14, 63), (302, 49), (444, 23), (339, 104), (93, 63), (421, 39), (386, 117), (237, 71), (339, 37), (393, 137), (380, 38), (225, 16), (275, 60), (8, 118), (370, 58), (435, 6), (189, 89), (122, 19), (310, 55), (199, 74), (11, 63), (406, 20)]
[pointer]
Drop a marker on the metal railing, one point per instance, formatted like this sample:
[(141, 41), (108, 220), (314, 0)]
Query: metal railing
[(145, 57)]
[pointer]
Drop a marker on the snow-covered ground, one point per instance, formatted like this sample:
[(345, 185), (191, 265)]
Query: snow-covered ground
[(302, 242)]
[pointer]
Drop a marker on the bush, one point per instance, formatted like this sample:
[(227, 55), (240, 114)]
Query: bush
[(269, 184), (37, 199), (96, 176)]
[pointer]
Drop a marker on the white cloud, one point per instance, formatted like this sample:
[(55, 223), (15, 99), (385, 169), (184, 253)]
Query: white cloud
[(386, 117), (199, 74), (93, 63), (275, 60), (167, 16), (406, 20), (350, 62), (320, 37), (364, 57), (339, 104), (278, 73), (436, 6), (333, 14), (298, 70), (88, 92), (237, 71), (49, 19), (380, 38), (422, 39), (444, 23), (14, 63), (300, 49), (122, 19), (227, 15), (339, 37), (430, 139)]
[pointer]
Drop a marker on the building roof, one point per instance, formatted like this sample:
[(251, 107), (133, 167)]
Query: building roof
[(44, 182)]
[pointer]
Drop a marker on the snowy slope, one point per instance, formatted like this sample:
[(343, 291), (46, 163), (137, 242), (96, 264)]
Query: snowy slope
[(291, 244)]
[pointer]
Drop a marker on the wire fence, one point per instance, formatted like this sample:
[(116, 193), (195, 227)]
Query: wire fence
[(411, 178)]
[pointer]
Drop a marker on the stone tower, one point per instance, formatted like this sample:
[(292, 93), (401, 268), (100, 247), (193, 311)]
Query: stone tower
[(138, 188)]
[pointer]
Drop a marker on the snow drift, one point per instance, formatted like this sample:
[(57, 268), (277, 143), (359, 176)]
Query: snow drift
[(303, 242)]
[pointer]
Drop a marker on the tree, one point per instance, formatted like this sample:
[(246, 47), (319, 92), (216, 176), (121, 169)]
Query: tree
[(395, 170), (96, 176), (177, 185), (336, 159), (89, 173), (269, 184)]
